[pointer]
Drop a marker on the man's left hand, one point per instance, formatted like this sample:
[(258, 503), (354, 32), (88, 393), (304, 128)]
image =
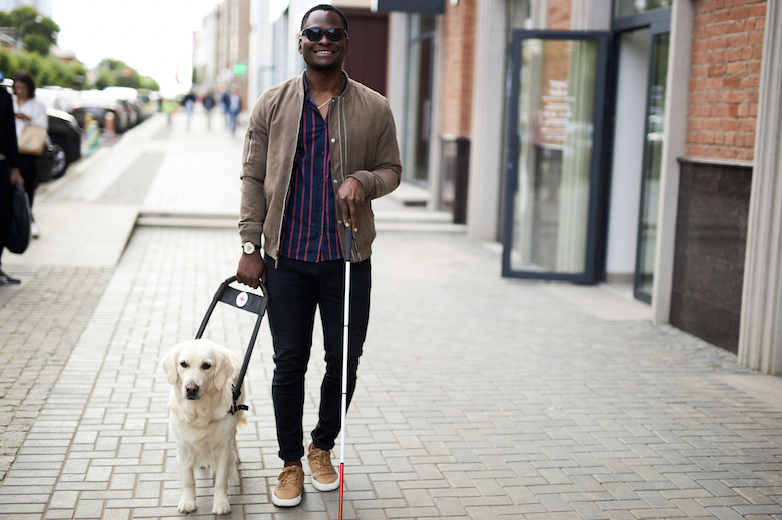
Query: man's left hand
[(350, 198), (16, 177)]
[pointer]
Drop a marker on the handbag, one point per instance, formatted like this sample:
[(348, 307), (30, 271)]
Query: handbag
[(32, 139), (19, 237)]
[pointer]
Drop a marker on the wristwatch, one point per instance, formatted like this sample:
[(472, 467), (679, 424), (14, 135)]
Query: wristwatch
[(250, 248)]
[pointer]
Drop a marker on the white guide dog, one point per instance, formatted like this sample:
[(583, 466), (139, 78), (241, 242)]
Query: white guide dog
[(200, 373)]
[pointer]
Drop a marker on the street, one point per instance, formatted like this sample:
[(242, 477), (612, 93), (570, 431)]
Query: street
[(479, 397)]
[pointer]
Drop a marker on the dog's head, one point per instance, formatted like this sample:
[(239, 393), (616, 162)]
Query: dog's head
[(198, 367)]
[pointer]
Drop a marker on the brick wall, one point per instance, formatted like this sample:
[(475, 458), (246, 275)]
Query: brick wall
[(559, 14), (460, 24), (727, 46)]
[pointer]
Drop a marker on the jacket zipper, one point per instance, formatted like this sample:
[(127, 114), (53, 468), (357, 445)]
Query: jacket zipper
[(249, 147), (287, 190)]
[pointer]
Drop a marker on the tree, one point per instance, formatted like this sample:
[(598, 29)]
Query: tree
[(47, 70), (37, 36), (37, 43), (113, 72)]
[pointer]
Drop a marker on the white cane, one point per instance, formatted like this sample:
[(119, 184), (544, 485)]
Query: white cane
[(345, 329)]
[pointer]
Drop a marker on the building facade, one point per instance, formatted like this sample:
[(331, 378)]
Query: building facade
[(630, 142), (221, 50)]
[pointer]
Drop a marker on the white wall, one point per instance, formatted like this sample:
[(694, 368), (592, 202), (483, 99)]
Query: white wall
[(397, 72), (628, 152), (260, 58), (486, 165)]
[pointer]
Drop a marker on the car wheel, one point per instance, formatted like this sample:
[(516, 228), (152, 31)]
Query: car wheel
[(59, 161)]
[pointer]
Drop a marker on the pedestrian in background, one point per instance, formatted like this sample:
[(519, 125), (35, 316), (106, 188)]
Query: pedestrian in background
[(225, 98), (209, 103), (169, 107), (189, 102), (9, 173), (302, 216), (234, 107), (29, 112)]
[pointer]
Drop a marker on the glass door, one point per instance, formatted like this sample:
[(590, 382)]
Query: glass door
[(653, 149), (419, 98), (554, 143)]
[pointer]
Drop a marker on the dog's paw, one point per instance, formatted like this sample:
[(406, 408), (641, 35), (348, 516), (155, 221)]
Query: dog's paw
[(186, 505), (221, 507)]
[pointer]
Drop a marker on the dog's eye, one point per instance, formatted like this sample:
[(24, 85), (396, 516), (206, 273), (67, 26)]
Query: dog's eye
[(183, 364), (206, 366)]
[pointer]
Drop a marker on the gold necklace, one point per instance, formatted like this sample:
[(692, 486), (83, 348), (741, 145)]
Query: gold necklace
[(324, 103)]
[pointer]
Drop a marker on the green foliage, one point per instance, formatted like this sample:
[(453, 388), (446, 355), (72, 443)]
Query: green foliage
[(105, 78), (49, 70), (37, 43), (112, 72), (46, 70), (37, 36)]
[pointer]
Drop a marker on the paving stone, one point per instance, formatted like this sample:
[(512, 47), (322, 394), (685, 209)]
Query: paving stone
[(478, 396)]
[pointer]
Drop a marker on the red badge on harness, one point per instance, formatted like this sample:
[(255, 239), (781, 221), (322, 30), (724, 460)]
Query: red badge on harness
[(242, 299)]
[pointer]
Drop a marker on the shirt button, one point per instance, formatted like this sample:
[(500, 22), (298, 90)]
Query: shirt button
[(332, 139), (335, 181)]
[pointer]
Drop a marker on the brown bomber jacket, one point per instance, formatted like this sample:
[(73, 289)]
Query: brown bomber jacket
[(362, 137)]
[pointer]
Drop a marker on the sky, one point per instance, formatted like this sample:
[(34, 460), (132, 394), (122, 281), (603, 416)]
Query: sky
[(155, 37)]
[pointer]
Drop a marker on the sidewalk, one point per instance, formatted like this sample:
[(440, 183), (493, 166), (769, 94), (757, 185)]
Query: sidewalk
[(478, 397)]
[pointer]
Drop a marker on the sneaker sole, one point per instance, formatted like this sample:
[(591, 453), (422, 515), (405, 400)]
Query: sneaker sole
[(282, 502), (331, 486)]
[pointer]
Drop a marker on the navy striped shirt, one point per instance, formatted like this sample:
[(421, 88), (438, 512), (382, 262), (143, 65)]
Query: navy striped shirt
[(310, 228)]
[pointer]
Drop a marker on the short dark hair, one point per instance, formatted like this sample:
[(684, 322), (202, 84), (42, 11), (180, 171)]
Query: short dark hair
[(326, 7), (26, 78)]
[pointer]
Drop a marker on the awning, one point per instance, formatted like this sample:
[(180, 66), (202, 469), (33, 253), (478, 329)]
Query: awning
[(410, 6)]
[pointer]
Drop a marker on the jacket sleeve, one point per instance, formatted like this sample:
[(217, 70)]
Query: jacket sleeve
[(252, 213), (8, 143), (386, 174)]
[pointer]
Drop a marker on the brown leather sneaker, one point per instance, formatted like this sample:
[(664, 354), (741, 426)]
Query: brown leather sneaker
[(289, 487), (324, 478)]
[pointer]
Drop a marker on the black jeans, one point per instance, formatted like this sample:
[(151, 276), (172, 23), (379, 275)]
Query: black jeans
[(29, 172), (296, 289)]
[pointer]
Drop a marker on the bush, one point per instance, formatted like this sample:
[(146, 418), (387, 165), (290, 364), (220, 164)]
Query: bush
[(46, 70)]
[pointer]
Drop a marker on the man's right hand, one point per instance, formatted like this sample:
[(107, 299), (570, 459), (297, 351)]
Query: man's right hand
[(251, 269)]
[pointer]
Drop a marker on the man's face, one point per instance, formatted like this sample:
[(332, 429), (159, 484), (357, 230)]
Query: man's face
[(324, 55)]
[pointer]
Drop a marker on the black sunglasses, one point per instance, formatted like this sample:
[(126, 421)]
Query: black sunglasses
[(315, 34)]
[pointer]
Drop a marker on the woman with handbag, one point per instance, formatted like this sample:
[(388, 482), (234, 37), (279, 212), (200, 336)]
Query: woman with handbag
[(31, 128)]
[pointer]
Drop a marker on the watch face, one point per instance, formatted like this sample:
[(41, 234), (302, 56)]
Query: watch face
[(249, 248)]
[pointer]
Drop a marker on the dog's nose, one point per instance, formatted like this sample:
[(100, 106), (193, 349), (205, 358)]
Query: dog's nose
[(191, 390)]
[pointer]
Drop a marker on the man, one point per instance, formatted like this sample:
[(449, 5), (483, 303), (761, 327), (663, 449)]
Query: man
[(9, 172), (318, 148)]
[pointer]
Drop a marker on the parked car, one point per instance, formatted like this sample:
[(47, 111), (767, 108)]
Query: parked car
[(150, 101), (64, 133), (98, 104), (130, 96)]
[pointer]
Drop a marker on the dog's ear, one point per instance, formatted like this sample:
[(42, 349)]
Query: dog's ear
[(224, 370), (169, 363)]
